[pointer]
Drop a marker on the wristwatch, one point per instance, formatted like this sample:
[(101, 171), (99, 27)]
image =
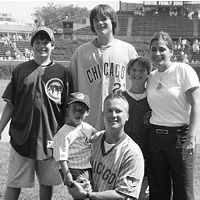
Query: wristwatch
[(87, 195), (70, 185)]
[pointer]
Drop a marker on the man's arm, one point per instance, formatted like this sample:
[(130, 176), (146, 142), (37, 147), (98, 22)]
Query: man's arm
[(6, 115), (78, 193)]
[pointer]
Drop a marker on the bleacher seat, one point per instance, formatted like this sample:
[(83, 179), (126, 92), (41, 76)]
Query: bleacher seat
[(123, 24), (4, 49), (21, 45), (175, 26)]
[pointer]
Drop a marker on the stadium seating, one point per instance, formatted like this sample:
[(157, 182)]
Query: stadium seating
[(4, 49), (195, 57), (176, 26), (130, 25), (123, 24), (21, 45)]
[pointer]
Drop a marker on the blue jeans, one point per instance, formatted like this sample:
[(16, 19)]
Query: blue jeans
[(166, 170)]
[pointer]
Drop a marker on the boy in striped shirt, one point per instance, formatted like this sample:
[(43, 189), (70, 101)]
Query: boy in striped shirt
[(72, 146)]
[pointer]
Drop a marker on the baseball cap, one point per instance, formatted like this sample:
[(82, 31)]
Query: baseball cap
[(45, 29), (79, 97)]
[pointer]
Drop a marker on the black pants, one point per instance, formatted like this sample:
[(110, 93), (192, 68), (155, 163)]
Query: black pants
[(167, 172)]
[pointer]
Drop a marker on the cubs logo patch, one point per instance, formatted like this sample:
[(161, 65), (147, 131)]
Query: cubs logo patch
[(132, 182), (54, 89), (80, 96), (146, 119)]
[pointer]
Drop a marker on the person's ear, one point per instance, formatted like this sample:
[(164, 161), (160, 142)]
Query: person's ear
[(52, 44), (127, 116), (87, 112)]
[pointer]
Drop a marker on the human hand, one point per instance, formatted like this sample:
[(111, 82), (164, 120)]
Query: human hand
[(68, 179), (77, 191), (85, 184), (188, 147)]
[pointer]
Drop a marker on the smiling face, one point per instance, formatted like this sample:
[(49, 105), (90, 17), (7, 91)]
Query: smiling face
[(103, 14), (138, 73), (77, 112), (42, 48), (102, 25), (160, 54), (115, 114)]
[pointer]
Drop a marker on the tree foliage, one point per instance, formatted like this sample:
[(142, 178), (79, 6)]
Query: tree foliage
[(52, 14)]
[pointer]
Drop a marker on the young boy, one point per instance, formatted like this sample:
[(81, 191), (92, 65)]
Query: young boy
[(72, 146), (137, 126), (35, 100), (139, 110)]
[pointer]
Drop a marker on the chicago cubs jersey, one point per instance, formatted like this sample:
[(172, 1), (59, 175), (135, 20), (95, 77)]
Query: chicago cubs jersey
[(98, 72), (120, 169), (39, 95), (73, 144)]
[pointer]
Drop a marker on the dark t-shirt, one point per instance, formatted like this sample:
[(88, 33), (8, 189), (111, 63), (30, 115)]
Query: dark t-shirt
[(39, 96)]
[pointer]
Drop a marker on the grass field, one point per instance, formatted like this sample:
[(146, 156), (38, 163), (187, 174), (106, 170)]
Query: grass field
[(60, 192)]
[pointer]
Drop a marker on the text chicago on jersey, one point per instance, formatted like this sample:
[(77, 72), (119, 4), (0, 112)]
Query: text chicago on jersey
[(106, 174), (112, 70)]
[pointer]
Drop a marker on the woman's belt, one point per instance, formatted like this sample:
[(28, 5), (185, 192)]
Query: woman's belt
[(166, 129)]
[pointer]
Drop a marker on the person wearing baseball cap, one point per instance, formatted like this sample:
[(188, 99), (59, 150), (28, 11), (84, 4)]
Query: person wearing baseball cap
[(45, 30), (35, 99), (79, 97), (72, 143)]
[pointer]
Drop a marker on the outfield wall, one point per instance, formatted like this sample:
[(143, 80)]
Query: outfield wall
[(13, 63)]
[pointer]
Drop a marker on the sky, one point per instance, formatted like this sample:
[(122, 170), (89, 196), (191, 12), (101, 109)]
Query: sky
[(24, 9)]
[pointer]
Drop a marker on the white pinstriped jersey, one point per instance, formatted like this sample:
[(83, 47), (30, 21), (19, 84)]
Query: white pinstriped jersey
[(98, 72), (73, 144), (121, 168)]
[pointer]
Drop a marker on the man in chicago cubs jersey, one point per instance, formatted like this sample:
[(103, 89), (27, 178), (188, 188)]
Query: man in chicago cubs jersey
[(117, 161), (99, 66)]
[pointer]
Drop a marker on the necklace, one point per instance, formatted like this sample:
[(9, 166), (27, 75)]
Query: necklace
[(165, 73), (159, 86)]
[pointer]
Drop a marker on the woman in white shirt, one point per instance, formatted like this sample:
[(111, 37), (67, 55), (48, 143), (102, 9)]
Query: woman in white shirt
[(174, 96)]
